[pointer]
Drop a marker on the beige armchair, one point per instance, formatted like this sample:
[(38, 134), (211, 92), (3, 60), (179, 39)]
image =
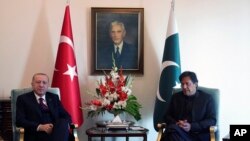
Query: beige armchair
[(18, 133), (214, 132)]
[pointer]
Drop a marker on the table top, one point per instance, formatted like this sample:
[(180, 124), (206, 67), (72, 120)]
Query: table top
[(132, 131), (105, 123)]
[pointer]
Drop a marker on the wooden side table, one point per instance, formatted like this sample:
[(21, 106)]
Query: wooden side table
[(5, 119), (103, 132)]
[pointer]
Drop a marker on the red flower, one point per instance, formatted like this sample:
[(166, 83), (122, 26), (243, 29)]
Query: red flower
[(119, 89), (123, 96), (103, 89), (109, 107), (96, 102), (120, 83), (110, 84), (121, 80)]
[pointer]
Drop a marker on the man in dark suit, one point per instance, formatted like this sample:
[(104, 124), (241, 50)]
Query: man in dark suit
[(124, 54), (41, 113), (191, 112)]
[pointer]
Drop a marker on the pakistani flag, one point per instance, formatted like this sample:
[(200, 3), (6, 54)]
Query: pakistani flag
[(170, 70)]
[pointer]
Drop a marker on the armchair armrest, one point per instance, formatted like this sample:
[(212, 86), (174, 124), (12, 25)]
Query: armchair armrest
[(161, 127), (20, 132), (74, 127), (213, 130)]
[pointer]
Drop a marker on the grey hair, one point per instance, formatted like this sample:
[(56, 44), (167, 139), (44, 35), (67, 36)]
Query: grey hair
[(117, 23), (39, 73)]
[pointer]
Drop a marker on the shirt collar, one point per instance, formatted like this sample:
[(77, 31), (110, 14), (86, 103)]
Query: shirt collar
[(37, 97), (120, 46)]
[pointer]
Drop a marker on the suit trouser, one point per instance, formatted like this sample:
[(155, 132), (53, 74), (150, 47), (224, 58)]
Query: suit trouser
[(175, 133), (60, 132)]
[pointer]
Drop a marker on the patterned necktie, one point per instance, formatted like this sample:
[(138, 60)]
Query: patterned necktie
[(42, 105)]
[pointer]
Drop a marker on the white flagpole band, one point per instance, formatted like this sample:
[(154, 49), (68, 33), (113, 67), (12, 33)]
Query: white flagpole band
[(172, 27)]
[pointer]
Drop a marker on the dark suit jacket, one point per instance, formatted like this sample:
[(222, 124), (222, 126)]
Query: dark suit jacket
[(29, 115), (203, 112), (128, 58)]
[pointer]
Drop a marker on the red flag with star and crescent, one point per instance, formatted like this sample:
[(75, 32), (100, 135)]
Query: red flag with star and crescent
[(65, 74)]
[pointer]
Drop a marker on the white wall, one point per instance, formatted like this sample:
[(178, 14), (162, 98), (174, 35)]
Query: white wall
[(213, 42)]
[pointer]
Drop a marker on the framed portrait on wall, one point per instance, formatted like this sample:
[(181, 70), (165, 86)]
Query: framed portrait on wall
[(117, 38)]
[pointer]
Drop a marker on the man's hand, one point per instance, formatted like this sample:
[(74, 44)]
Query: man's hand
[(184, 125), (46, 128)]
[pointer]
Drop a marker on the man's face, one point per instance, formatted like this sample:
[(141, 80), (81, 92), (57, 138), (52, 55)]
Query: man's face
[(117, 34), (188, 87), (40, 84)]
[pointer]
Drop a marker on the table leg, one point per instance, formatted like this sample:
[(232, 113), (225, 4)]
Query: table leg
[(102, 138), (127, 138), (89, 138), (145, 138)]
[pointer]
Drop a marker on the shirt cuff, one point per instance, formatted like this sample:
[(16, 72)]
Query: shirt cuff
[(38, 127)]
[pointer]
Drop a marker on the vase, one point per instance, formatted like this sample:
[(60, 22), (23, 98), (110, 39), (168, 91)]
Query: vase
[(117, 119), (117, 123)]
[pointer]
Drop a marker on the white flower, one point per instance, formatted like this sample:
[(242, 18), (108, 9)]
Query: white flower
[(120, 105), (112, 97), (129, 81), (103, 81), (105, 102), (123, 104), (92, 108), (114, 75), (114, 69), (127, 90), (106, 94), (117, 105)]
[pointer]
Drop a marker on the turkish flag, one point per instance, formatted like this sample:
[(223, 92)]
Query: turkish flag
[(65, 74)]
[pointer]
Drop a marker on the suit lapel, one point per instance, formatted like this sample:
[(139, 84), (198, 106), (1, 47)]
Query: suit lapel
[(34, 102), (194, 111), (50, 104)]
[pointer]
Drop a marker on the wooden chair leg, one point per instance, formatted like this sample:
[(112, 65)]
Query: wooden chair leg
[(75, 132), (160, 126), (212, 131), (21, 133)]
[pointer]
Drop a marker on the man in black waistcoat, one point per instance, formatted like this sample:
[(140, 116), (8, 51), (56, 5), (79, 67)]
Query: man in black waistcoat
[(41, 113)]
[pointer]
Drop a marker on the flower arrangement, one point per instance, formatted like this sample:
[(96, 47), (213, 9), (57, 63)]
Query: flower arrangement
[(114, 95)]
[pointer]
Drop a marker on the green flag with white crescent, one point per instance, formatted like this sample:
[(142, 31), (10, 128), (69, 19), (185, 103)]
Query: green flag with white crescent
[(170, 70)]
